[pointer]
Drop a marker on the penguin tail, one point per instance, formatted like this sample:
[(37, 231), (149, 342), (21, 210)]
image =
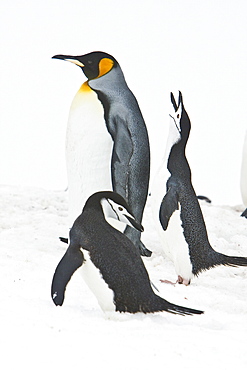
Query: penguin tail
[(163, 305), (218, 259), (234, 261), (180, 310), (244, 214)]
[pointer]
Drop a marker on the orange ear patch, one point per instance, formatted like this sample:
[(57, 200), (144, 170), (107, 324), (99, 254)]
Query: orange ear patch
[(105, 65)]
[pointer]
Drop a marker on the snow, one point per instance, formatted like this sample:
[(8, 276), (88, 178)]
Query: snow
[(198, 47), (37, 334)]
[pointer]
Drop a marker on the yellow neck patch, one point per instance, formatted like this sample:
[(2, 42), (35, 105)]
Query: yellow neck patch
[(85, 88), (105, 65)]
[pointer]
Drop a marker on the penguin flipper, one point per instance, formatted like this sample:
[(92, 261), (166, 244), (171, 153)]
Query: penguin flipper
[(121, 155), (70, 262), (168, 205)]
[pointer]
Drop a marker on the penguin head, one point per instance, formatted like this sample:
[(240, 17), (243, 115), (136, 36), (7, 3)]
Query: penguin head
[(93, 65), (114, 206), (180, 119)]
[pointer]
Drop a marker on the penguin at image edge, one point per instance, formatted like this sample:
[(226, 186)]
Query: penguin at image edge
[(111, 267), (243, 176), (107, 144), (178, 214)]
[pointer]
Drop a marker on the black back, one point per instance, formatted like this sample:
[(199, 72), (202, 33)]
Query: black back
[(180, 191), (117, 259)]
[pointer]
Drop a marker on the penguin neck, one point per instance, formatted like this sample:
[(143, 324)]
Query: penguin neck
[(177, 163), (109, 84), (85, 88), (93, 211), (110, 88)]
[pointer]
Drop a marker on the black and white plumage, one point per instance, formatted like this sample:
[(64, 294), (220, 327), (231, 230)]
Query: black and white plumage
[(107, 145), (111, 266), (178, 215)]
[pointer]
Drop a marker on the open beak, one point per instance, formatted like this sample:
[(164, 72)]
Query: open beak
[(180, 100), (174, 102)]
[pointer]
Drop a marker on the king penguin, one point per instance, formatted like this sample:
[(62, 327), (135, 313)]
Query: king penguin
[(111, 266), (107, 144), (178, 214)]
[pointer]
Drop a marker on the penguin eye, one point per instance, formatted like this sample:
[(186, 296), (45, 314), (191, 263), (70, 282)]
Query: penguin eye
[(120, 209), (178, 116), (89, 62)]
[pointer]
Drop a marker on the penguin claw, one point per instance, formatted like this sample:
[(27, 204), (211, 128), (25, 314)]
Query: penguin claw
[(180, 280), (168, 282)]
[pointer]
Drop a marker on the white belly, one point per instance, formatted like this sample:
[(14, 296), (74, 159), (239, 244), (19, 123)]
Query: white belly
[(88, 151), (178, 247), (96, 284), (173, 243)]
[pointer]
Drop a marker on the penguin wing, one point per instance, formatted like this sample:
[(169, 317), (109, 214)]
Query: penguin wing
[(70, 262), (168, 205), (121, 156)]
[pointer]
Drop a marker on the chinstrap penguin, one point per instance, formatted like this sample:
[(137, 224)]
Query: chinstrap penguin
[(107, 145), (111, 266), (178, 214)]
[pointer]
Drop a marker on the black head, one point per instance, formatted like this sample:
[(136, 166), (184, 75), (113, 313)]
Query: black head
[(94, 64), (180, 118)]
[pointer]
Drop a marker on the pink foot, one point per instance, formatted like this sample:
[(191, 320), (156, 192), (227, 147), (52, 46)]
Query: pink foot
[(180, 280), (167, 282), (183, 281)]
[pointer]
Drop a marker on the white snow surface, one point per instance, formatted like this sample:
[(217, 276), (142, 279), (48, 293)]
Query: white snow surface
[(35, 334)]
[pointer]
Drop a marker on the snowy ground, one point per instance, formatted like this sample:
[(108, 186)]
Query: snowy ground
[(36, 334)]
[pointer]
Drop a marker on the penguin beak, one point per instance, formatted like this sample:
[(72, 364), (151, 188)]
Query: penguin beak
[(180, 100), (174, 102), (69, 58), (135, 224)]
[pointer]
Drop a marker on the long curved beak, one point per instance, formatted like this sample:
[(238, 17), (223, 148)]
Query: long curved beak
[(69, 58)]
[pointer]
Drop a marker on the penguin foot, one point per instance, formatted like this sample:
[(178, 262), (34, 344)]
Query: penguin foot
[(134, 236), (181, 280), (168, 282), (144, 251)]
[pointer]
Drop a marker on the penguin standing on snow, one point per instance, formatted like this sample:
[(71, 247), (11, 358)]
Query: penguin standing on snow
[(111, 266), (107, 141), (181, 222)]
